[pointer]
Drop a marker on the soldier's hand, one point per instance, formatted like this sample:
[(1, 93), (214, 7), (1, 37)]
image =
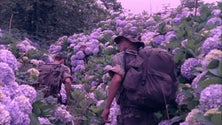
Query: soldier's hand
[(105, 115)]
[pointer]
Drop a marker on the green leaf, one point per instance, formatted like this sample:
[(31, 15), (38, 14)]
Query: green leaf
[(217, 119), (34, 119), (215, 72), (220, 68), (213, 64), (35, 109), (212, 80), (192, 104)]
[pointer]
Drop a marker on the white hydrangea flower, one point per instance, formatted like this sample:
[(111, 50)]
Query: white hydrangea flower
[(33, 72), (214, 111), (5, 118), (210, 97), (6, 56), (214, 54)]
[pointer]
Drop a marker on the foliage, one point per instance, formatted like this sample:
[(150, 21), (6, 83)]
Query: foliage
[(53, 18), (34, 54)]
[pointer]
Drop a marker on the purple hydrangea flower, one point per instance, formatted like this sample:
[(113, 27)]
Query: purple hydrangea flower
[(114, 111), (216, 12), (18, 117), (63, 93), (191, 119), (210, 97), (214, 21), (7, 57), (88, 51), (4, 96), (158, 40), (147, 37), (197, 79), (25, 45), (77, 62), (181, 97), (44, 121), (62, 114), (79, 55), (6, 74), (212, 55), (2, 46), (169, 36), (210, 44), (188, 67), (29, 92), (78, 68), (5, 118), (216, 32), (23, 103), (54, 48)]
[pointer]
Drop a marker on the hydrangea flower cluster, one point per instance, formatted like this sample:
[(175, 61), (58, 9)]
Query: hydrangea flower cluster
[(29, 92), (2, 46), (147, 37), (54, 48), (185, 12), (214, 21), (210, 44), (34, 73), (6, 56), (25, 45), (15, 100), (63, 115), (188, 66), (216, 32), (44, 121), (214, 54), (216, 12), (191, 120), (180, 98), (6, 74), (195, 81), (114, 112), (63, 93), (210, 97), (158, 40), (5, 118)]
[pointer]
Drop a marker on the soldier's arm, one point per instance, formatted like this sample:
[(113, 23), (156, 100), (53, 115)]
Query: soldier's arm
[(68, 82), (113, 88)]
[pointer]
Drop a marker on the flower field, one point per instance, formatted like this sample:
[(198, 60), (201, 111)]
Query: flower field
[(193, 36)]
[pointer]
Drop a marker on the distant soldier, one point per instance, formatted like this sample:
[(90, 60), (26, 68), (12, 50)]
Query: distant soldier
[(52, 76)]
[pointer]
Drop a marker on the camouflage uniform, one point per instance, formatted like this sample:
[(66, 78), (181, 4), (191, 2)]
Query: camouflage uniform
[(55, 91), (130, 114)]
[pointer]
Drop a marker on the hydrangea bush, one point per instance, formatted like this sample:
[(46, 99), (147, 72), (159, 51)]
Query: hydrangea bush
[(193, 37)]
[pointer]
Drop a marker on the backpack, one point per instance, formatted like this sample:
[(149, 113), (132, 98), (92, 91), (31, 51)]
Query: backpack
[(150, 81), (50, 76)]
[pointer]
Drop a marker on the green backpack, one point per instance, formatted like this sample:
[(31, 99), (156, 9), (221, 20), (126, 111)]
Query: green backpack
[(150, 81), (50, 77)]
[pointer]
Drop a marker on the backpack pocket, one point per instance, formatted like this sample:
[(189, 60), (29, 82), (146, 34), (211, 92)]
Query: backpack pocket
[(132, 79)]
